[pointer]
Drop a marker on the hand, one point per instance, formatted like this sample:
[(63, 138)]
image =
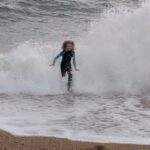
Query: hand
[(51, 65), (77, 69)]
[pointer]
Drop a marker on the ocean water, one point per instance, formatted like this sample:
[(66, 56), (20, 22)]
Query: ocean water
[(110, 101)]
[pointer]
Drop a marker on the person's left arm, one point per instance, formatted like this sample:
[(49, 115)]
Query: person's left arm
[(74, 61)]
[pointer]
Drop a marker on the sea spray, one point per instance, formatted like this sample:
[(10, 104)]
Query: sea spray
[(114, 55)]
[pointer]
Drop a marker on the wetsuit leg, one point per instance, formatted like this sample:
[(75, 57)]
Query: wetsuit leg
[(63, 70), (69, 72), (67, 68)]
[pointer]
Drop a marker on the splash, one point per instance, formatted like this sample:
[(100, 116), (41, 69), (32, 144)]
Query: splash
[(26, 70), (115, 56)]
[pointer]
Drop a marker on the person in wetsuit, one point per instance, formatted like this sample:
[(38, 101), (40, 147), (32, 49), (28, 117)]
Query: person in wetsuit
[(67, 54)]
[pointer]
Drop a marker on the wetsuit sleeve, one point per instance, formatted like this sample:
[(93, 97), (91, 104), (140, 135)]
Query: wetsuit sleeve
[(60, 54), (74, 60)]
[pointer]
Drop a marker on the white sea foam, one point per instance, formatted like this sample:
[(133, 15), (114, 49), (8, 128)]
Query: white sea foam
[(77, 117)]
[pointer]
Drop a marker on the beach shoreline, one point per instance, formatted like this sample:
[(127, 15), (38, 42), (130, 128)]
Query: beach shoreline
[(9, 141)]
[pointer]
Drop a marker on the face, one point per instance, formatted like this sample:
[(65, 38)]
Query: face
[(69, 47)]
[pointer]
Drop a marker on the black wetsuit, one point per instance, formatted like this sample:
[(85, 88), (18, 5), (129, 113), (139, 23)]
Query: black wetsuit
[(66, 65)]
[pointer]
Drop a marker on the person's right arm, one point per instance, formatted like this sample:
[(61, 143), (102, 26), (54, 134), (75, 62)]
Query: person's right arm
[(55, 59)]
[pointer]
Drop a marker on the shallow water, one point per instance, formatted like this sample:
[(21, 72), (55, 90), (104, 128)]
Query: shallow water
[(78, 116)]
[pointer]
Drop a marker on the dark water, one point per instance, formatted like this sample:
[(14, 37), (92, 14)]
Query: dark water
[(22, 20)]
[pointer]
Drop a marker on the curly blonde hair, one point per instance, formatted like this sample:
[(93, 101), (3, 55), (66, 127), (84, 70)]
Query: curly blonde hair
[(64, 45)]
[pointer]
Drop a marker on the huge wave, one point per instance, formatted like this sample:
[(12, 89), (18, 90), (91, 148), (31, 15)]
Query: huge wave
[(113, 57)]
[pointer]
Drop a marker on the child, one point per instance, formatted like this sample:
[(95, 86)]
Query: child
[(67, 53)]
